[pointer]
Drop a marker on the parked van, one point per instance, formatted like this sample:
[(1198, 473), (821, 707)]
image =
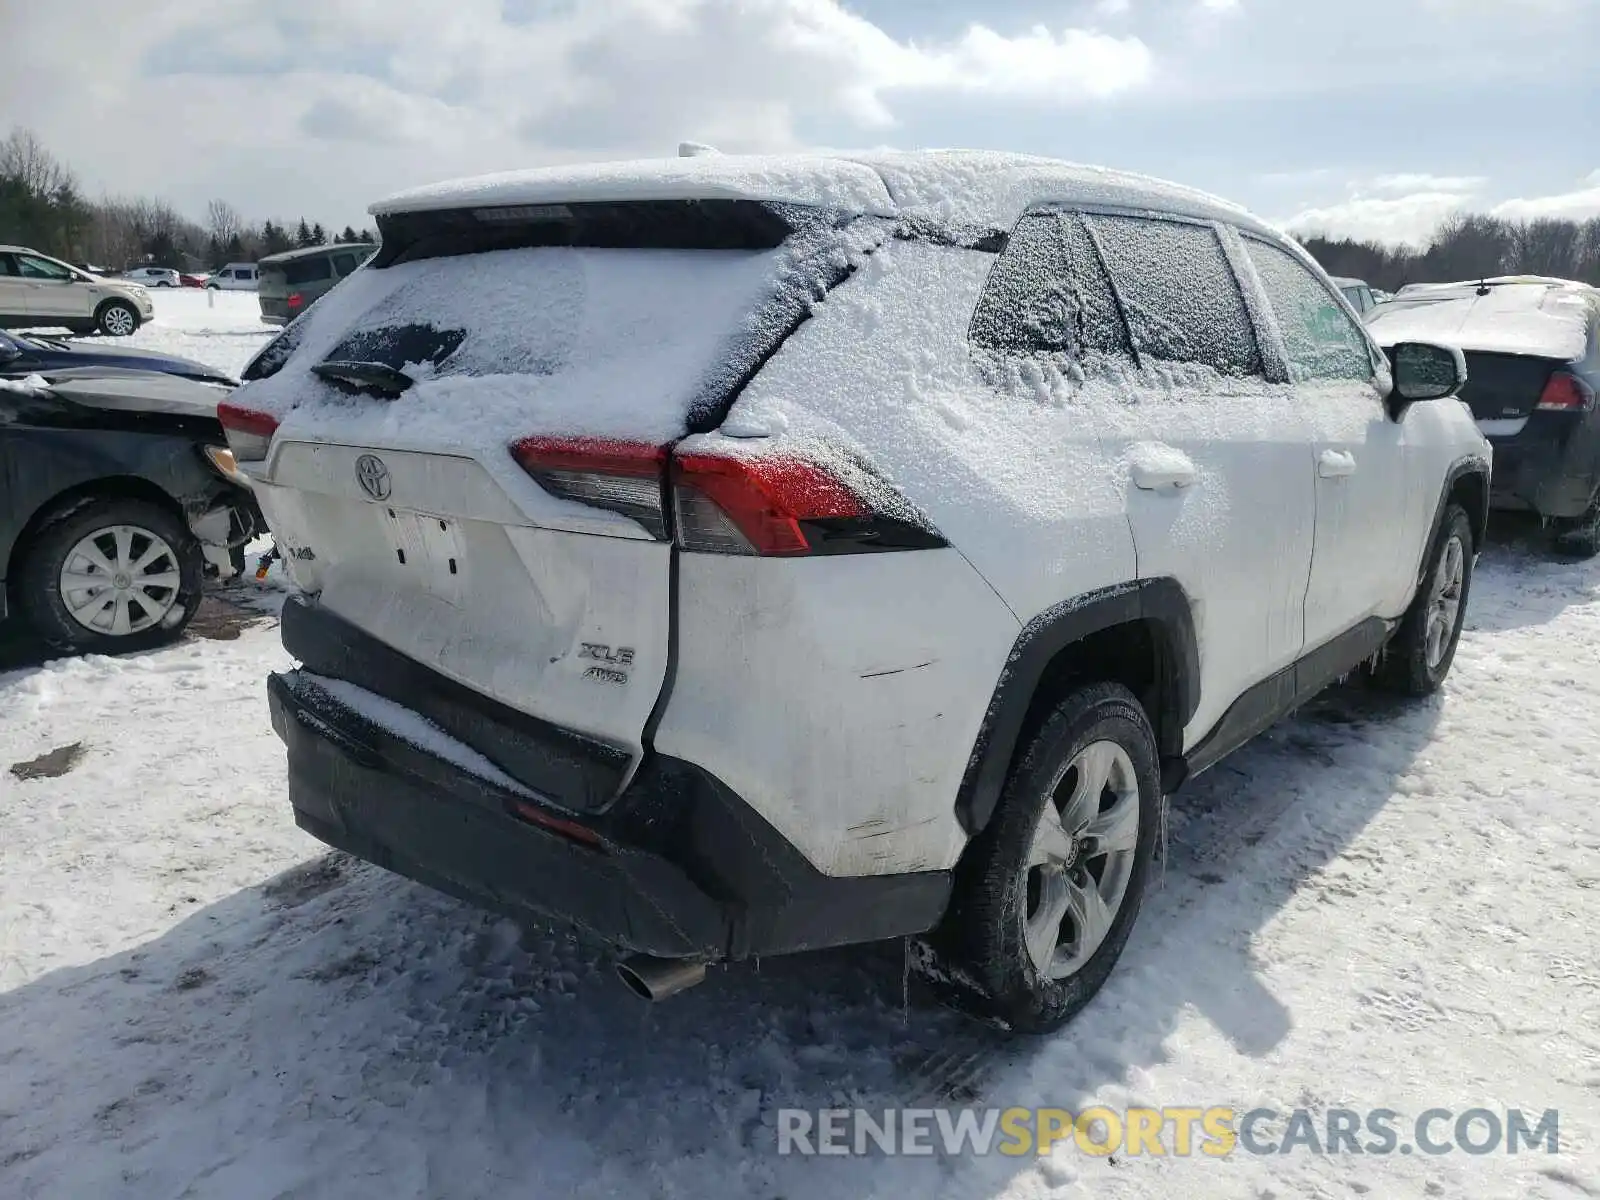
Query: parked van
[(291, 282), (235, 277)]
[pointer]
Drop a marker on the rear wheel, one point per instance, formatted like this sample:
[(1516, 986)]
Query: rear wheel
[(116, 318), (110, 576), (1046, 896), (1580, 537), (1418, 657)]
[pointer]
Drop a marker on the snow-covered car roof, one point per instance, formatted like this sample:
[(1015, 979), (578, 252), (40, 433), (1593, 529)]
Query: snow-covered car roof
[(1546, 318), (969, 186)]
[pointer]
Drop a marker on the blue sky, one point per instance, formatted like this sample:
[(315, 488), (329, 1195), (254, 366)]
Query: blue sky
[(1372, 117)]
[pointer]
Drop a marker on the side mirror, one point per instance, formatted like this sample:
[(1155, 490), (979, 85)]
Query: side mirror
[(9, 353), (1423, 371)]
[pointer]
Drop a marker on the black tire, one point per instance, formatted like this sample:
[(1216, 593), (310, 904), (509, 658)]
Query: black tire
[(116, 318), (39, 588), (1580, 536), (1405, 665), (977, 960)]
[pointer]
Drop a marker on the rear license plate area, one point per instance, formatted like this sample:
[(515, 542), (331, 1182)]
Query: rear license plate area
[(428, 552)]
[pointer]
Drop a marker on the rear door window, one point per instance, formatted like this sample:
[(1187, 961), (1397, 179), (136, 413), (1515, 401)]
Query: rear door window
[(343, 264), (1320, 340), (1182, 301), (1047, 294)]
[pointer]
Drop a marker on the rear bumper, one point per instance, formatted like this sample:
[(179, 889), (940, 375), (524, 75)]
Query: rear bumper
[(1552, 467), (680, 866), (361, 789)]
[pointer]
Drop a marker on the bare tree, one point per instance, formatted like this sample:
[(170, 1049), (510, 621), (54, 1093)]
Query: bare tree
[(24, 159), (223, 221), (1547, 246)]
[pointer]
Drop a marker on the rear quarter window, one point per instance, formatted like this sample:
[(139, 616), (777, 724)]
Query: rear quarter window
[(1180, 296), (1047, 294)]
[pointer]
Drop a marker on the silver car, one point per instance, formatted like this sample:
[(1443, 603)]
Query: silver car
[(40, 292)]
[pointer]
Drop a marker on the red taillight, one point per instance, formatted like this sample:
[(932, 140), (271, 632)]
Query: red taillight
[(754, 505), (769, 504), (1565, 392), (295, 300), (249, 432), (622, 477)]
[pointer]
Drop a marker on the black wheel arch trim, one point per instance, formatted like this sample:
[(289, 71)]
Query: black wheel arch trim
[(1160, 602), (1472, 464)]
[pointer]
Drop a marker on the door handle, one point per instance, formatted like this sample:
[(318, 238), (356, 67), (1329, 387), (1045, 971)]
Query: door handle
[(1161, 468), (1336, 464)]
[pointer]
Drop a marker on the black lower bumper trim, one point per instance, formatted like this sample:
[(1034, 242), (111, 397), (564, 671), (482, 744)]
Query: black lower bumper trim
[(683, 867), (576, 772)]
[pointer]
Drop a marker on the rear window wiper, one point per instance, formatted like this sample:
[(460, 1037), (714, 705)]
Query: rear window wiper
[(364, 376)]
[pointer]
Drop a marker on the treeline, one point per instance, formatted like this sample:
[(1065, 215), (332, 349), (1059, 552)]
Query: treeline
[(42, 206), (1468, 246)]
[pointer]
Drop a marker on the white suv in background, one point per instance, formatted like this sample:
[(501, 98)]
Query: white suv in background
[(40, 292), (736, 556), (154, 277)]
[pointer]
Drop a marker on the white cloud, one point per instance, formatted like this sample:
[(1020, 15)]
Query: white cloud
[(1574, 206), (1406, 184), (1408, 219), (1408, 208), (326, 104)]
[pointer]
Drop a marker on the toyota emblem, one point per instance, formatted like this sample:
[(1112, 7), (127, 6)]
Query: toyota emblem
[(373, 476)]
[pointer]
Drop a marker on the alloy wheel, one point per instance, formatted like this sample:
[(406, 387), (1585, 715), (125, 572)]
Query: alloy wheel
[(1444, 601), (1082, 859)]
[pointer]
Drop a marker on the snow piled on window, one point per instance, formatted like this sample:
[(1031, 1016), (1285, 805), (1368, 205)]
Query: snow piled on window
[(560, 340), (1547, 320), (797, 179), (1180, 296)]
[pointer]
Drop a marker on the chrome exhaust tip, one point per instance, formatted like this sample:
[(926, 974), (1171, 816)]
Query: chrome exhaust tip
[(657, 978)]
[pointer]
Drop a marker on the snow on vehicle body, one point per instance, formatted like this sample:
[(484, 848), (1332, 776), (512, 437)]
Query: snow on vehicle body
[(1532, 349), (756, 546)]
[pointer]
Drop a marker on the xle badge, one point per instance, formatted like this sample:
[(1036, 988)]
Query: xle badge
[(616, 661)]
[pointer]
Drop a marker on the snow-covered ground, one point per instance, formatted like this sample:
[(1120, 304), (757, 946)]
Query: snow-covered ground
[(1378, 905), (220, 328)]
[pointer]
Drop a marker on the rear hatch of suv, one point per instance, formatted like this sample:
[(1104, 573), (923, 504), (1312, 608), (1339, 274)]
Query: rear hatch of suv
[(461, 452), (287, 288)]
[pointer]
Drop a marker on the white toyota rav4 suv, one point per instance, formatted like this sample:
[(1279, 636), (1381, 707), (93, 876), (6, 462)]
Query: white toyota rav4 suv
[(735, 556)]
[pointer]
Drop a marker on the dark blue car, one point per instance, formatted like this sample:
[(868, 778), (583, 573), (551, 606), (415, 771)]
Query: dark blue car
[(23, 356), (118, 493)]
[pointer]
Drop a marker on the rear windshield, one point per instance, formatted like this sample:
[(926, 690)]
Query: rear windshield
[(299, 270), (637, 319)]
